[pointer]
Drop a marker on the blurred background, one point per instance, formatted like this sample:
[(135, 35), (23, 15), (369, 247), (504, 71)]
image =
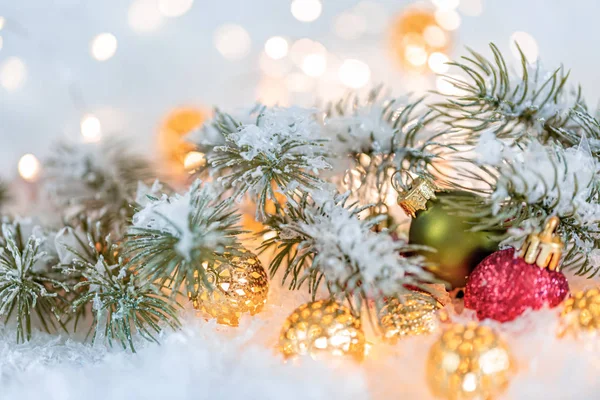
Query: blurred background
[(153, 69)]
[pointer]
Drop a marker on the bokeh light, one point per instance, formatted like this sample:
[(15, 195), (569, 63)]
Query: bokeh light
[(144, 16), (449, 19), (232, 41), (91, 129), (528, 45), (437, 62), (306, 10), (103, 46), (314, 65), (193, 160), (304, 47), (415, 36), (29, 167), (354, 73), (2, 22), (299, 83), (446, 5), (276, 47), (349, 25), (12, 74), (174, 8)]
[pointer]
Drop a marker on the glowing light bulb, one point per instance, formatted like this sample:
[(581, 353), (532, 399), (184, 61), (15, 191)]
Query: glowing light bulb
[(174, 8), (354, 73), (416, 55), (449, 20), (314, 65), (103, 46), (437, 62), (232, 41), (528, 45), (91, 129), (144, 16), (446, 5), (306, 10), (194, 159), (435, 36), (276, 47), (12, 73), (29, 167)]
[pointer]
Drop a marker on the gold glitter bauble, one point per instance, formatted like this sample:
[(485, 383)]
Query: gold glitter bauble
[(411, 314), (322, 328), (239, 286), (468, 362), (581, 314)]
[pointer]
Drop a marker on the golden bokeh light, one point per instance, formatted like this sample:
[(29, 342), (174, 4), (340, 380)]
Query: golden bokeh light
[(171, 137), (29, 167), (415, 36)]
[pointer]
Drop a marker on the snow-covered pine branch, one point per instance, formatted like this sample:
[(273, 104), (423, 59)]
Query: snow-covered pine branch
[(173, 237), (282, 150), (96, 181), (376, 136), (531, 182), (533, 104), (27, 287), (321, 240)]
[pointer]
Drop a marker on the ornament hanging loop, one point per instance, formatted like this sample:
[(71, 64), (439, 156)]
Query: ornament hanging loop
[(415, 193), (544, 248)]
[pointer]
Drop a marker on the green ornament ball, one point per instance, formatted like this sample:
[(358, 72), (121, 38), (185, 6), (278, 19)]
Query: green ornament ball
[(457, 250)]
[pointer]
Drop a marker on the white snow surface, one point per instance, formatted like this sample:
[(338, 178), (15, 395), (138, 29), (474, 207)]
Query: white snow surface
[(209, 361)]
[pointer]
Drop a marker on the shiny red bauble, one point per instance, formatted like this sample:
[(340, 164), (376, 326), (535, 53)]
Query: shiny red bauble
[(502, 287)]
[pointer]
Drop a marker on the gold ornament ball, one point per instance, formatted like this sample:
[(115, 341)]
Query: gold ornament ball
[(238, 287), (411, 314), (469, 362), (581, 314), (322, 328)]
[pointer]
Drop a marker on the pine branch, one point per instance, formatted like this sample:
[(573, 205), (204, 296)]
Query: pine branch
[(176, 237), (527, 184), (321, 241), (534, 104), (95, 181), (122, 303), (25, 289), (281, 151)]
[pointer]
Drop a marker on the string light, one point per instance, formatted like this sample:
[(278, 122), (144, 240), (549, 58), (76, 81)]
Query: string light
[(193, 160), (446, 5), (232, 41), (103, 46), (449, 20), (276, 47), (528, 45), (354, 73), (437, 62), (29, 167), (144, 16), (435, 36), (314, 65), (91, 129), (174, 8), (306, 10), (12, 73)]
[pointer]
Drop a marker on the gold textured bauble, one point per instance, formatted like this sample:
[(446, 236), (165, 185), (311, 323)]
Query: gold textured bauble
[(581, 314), (469, 362), (238, 287), (411, 314), (322, 328)]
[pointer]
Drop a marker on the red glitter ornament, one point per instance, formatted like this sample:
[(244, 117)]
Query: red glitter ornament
[(502, 287)]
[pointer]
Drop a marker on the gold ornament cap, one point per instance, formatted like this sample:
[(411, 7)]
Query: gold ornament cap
[(544, 248), (415, 198)]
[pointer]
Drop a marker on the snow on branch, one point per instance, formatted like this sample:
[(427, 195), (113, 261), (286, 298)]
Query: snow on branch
[(322, 241), (173, 236), (282, 150)]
